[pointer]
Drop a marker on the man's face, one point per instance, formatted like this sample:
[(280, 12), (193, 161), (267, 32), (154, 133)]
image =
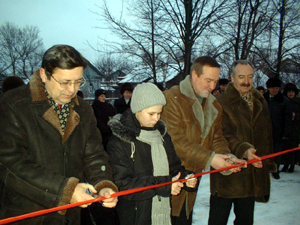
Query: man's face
[(150, 116), (206, 82), (127, 94), (273, 90), (59, 94), (243, 78)]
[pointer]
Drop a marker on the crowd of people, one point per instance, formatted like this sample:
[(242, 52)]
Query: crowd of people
[(56, 149)]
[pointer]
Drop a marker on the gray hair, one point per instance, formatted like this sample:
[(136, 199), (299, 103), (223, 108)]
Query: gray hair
[(235, 63)]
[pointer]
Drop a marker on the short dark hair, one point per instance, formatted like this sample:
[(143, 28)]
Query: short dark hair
[(261, 88), (290, 87), (223, 81), (126, 87), (202, 61), (235, 63), (11, 83), (63, 57)]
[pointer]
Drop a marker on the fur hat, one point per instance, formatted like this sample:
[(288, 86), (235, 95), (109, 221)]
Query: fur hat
[(273, 82), (146, 95), (99, 92), (126, 87)]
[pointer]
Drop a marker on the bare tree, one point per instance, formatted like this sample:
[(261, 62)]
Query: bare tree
[(139, 38), (21, 50), (287, 29), (188, 19), (109, 63)]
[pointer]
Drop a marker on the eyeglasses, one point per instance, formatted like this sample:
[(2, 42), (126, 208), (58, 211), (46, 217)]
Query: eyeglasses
[(66, 84)]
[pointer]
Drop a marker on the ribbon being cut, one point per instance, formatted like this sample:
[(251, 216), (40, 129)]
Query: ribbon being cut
[(135, 190)]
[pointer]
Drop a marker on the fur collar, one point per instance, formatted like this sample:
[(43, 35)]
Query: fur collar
[(38, 95), (233, 95), (37, 89), (127, 129), (205, 116)]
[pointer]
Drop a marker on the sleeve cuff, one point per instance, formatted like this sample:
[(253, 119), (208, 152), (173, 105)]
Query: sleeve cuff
[(67, 193)]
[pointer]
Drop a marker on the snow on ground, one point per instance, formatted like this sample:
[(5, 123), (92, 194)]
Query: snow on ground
[(283, 207)]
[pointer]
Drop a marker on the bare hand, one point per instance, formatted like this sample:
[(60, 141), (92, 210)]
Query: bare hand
[(80, 194), (191, 183), (176, 187), (220, 161), (250, 154), (109, 202)]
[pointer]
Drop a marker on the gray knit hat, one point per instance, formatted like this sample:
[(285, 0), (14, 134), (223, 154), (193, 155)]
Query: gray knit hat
[(146, 95)]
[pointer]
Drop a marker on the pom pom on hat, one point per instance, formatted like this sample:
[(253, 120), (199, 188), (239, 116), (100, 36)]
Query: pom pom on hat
[(146, 95)]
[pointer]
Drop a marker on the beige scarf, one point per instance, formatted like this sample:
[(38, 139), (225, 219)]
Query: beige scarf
[(161, 209)]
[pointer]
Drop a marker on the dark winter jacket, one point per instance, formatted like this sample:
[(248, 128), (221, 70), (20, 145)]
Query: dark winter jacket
[(120, 105), (245, 129), (39, 165), (132, 167), (281, 115), (103, 112)]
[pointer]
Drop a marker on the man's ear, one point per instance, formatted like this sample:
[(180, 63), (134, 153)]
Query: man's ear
[(43, 75), (232, 78)]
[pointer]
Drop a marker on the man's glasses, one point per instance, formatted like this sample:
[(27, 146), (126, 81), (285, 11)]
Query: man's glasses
[(66, 84)]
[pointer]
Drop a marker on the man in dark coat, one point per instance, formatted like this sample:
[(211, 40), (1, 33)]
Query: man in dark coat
[(281, 114), (247, 127), (50, 145)]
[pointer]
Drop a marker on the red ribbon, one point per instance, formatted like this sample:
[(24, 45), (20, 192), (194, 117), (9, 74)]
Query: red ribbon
[(134, 190)]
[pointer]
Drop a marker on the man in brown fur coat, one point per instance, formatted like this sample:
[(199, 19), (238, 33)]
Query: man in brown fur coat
[(50, 145), (194, 121), (247, 128)]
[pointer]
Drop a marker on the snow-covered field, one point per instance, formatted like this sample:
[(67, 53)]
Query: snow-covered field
[(283, 207)]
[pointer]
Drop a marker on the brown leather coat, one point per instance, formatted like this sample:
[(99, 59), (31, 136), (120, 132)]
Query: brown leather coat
[(245, 129), (39, 166), (196, 133)]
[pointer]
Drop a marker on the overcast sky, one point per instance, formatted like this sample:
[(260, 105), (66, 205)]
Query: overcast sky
[(61, 21)]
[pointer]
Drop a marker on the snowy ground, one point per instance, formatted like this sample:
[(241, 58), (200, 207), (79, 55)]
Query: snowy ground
[(283, 207)]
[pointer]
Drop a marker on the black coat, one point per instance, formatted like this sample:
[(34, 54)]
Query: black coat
[(281, 116), (103, 112), (136, 170), (294, 140), (120, 105), (39, 165)]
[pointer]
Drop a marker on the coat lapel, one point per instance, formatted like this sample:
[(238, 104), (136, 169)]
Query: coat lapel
[(38, 95), (205, 116)]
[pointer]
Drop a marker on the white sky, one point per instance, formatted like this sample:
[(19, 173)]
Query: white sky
[(61, 21)]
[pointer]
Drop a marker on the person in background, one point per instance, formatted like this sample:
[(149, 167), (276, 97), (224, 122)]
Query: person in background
[(261, 89), (103, 112), (280, 109), (248, 129), (11, 82), (51, 151), (123, 103), (141, 154), (194, 121), (216, 92), (222, 84), (290, 159), (80, 94)]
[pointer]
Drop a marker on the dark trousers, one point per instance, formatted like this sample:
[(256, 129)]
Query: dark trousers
[(220, 210), (182, 219), (95, 214)]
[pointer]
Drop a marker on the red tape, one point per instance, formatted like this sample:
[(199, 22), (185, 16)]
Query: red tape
[(134, 190)]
